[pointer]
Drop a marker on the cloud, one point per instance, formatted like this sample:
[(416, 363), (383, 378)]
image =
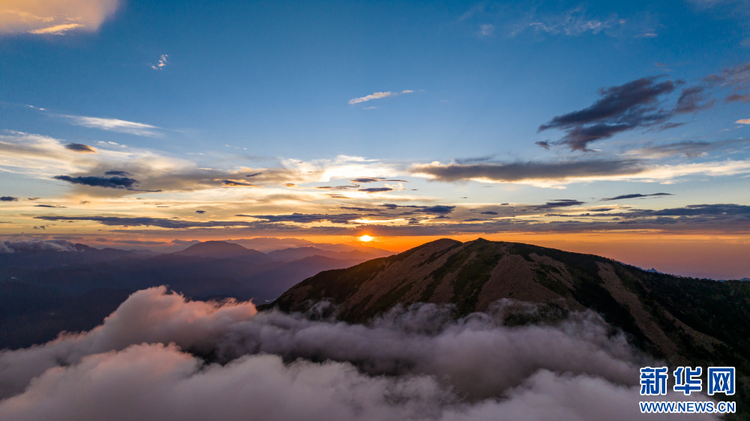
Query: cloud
[(486, 30), (376, 189), (690, 98), (115, 125), (8, 199), (53, 17), (49, 206), (620, 108), (301, 218), (378, 95), (530, 171), (200, 212), (416, 364), (559, 203), (636, 196), (571, 23), (736, 78), (690, 149), (145, 221), (738, 98), (114, 182), (161, 64), (118, 172), (80, 148), (236, 183), (743, 121), (25, 246)]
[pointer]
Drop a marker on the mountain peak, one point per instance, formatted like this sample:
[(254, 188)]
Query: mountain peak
[(660, 313)]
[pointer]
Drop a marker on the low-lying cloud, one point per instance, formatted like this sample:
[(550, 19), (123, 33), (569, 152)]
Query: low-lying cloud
[(144, 363), (35, 245)]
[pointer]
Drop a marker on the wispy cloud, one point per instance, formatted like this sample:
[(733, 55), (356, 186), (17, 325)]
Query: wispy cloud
[(115, 125), (161, 64), (572, 23), (54, 17), (743, 121), (378, 95), (486, 30)]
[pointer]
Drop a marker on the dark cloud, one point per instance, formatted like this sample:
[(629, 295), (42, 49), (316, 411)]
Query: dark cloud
[(236, 183), (544, 144), (488, 213), (691, 149), (736, 78), (33, 198), (80, 148), (375, 189), (84, 202), (117, 172), (635, 196), (302, 218), (474, 160), (356, 186), (49, 206), (738, 98), (200, 211), (107, 182), (692, 100), (144, 221), (366, 180), (8, 199), (620, 108), (254, 174), (521, 171), (559, 203)]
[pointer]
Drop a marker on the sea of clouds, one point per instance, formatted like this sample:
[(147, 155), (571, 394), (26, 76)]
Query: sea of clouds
[(162, 357)]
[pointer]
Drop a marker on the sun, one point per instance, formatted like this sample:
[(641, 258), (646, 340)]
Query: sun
[(366, 238)]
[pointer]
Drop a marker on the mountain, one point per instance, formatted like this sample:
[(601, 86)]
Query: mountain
[(224, 250), (290, 254), (269, 284), (683, 320)]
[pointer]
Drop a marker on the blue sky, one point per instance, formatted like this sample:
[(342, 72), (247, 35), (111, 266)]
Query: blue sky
[(186, 101)]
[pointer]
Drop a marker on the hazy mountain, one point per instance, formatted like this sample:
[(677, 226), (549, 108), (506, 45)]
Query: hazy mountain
[(290, 254), (684, 320), (224, 250), (269, 284)]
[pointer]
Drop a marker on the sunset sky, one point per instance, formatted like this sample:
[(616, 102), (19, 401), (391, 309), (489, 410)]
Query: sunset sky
[(615, 128)]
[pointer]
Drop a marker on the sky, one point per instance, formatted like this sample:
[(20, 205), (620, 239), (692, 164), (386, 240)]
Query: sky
[(615, 128)]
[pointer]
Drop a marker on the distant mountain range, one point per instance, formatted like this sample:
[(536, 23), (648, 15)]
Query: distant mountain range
[(683, 320), (75, 289)]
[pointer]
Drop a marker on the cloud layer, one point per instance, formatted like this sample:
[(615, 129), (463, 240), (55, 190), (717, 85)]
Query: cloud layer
[(415, 364)]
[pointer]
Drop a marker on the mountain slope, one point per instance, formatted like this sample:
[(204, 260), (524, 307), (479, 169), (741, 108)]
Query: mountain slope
[(224, 250), (684, 320)]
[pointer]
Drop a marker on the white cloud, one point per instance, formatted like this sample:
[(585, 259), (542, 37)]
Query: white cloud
[(378, 95), (162, 63), (115, 125), (416, 364), (54, 17), (486, 30)]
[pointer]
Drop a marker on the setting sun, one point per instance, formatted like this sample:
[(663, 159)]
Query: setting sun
[(366, 238)]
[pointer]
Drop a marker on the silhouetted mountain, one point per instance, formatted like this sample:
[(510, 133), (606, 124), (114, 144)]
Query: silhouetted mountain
[(290, 254), (224, 250), (686, 321), (32, 315), (80, 254), (267, 285)]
